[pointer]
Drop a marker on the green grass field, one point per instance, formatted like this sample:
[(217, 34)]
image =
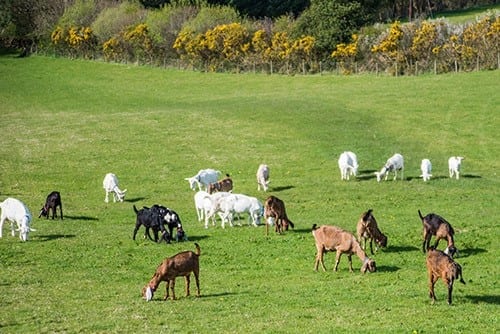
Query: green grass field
[(64, 124)]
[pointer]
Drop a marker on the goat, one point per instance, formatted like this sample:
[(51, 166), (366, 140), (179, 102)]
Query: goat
[(203, 178), (51, 203), (172, 219), (239, 203), (332, 238), (393, 164), (426, 168), (367, 228), (440, 265), (211, 205), (263, 177), (110, 185), (434, 224), (181, 264), (454, 164), (17, 212), (348, 165), (151, 218), (275, 212), (225, 184)]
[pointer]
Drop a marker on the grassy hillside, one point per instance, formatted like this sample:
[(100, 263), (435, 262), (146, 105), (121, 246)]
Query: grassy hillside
[(65, 124)]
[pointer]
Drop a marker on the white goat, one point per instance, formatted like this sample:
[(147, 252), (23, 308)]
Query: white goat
[(203, 178), (426, 168), (454, 164), (211, 206), (200, 199), (15, 211), (393, 164), (348, 165), (239, 203), (263, 177), (110, 185)]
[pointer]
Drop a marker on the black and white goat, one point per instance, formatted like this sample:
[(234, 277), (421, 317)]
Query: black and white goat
[(51, 203), (156, 218)]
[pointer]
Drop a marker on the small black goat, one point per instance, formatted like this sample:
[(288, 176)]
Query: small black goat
[(51, 203), (156, 218)]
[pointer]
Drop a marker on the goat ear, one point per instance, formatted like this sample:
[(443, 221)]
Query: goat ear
[(149, 294)]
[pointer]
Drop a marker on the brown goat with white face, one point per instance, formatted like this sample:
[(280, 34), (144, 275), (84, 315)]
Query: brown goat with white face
[(436, 225), (332, 238), (181, 264), (441, 265), (367, 228)]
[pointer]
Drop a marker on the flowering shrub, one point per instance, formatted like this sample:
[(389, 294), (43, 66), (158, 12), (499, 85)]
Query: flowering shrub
[(74, 41), (346, 54)]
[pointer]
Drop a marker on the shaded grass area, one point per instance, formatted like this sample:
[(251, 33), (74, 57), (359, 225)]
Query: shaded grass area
[(64, 124)]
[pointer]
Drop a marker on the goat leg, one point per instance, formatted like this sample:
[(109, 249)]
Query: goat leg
[(349, 257), (188, 280)]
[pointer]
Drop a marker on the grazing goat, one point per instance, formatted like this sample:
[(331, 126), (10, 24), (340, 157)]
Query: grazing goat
[(332, 238), (110, 185), (434, 224), (225, 184), (367, 228), (17, 212), (181, 264), (440, 265), (454, 164), (211, 206), (348, 165), (151, 218), (393, 164), (263, 177), (239, 203), (51, 203), (275, 212), (200, 199), (426, 168), (203, 178)]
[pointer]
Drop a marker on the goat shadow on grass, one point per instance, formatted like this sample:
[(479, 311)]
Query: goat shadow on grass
[(300, 230), (49, 237), (134, 200), (281, 188), (489, 299), (469, 251), (366, 174), (398, 249), (387, 269), (80, 218), (471, 176)]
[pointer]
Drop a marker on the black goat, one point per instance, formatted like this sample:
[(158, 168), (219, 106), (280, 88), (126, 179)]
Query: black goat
[(51, 203), (151, 218)]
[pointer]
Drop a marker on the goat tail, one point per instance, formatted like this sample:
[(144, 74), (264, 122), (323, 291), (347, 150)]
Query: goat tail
[(290, 223), (198, 249), (135, 209), (420, 214), (314, 227)]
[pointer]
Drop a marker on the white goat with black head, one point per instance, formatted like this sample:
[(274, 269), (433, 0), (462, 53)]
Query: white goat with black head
[(393, 164)]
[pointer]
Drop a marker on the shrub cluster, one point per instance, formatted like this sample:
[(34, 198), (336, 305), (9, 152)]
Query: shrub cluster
[(216, 39)]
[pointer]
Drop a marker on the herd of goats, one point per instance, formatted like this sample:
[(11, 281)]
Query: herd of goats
[(215, 196)]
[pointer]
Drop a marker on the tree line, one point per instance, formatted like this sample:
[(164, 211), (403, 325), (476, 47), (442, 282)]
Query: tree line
[(325, 35)]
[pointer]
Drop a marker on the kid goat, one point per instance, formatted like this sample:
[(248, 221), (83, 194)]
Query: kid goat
[(203, 179), (17, 212), (275, 212), (454, 164), (110, 185), (367, 228), (51, 203), (332, 238), (263, 177), (348, 165), (393, 164), (426, 168)]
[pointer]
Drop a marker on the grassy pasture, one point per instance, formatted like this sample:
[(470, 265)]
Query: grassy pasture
[(64, 124)]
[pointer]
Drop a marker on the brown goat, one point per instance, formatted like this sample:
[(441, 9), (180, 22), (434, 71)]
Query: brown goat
[(441, 265), (367, 228), (436, 225), (275, 208), (225, 184), (181, 264), (332, 238)]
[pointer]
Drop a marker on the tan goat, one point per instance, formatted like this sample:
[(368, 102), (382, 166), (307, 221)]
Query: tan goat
[(434, 224), (275, 211), (225, 184), (181, 264), (332, 238), (367, 228), (441, 265)]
